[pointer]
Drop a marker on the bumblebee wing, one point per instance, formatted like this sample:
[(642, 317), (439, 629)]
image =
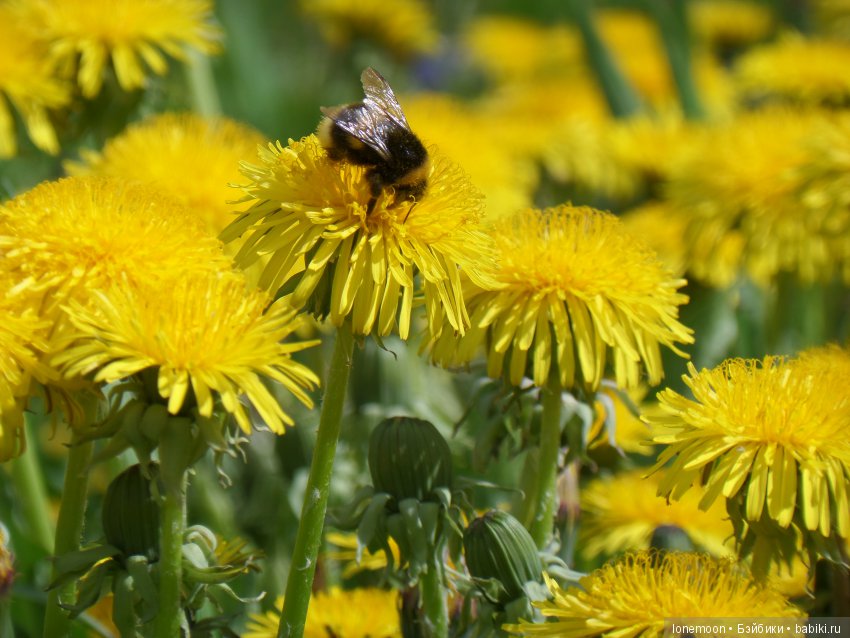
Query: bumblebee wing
[(379, 95), (364, 123)]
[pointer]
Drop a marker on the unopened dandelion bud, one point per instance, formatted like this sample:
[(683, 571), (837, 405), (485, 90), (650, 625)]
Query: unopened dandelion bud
[(497, 546), (409, 458), (131, 514)]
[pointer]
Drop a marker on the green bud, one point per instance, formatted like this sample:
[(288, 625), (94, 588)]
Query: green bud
[(131, 514), (497, 546), (409, 458)]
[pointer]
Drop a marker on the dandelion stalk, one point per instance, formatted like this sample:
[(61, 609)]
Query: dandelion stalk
[(621, 97), (172, 524), (202, 84), (31, 490), (309, 538), (69, 528), (540, 526), (434, 599)]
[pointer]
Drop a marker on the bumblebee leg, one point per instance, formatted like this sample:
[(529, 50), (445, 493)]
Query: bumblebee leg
[(371, 205), (409, 210)]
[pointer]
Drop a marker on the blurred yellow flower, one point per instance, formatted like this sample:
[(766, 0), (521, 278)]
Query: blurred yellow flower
[(740, 185), (474, 141), (354, 613), (574, 289), (536, 50), (725, 24), (28, 84), (405, 29), (362, 266), (87, 34), (617, 424), (189, 157), (770, 433), (347, 553), (207, 335), (662, 228), (611, 523), (810, 71), (639, 593)]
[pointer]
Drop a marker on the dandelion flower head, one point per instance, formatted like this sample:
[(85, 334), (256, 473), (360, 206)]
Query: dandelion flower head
[(28, 82), (22, 346), (634, 595), (809, 71), (310, 208), (164, 150), (81, 234), (575, 290), (611, 524), (724, 24), (208, 335), (406, 29), (771, 433), (740, 185), (355, 613), (132, 34)]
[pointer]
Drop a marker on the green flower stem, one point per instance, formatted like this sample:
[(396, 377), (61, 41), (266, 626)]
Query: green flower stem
[(434, 599), (672, 21), (172, 524), (550, 444), (309, 538), (202, 85), (32, 493), (622, 98), (69, 529)]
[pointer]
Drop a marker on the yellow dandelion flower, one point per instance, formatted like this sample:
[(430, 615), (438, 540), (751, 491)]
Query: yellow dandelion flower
[(740, 185), (88, 232), (347, 545), (724, 24), (806, 70), (28, 83), (22, 345), (536, 50), (637, 594), (616, 424), (771, 433), (635, 42), (311, 207), (662, 227), (648, 147), (131, 33), (611, 524), (164, 150), (356, 613), (406, 29), (574, 290), (471, 139), (208, 336)]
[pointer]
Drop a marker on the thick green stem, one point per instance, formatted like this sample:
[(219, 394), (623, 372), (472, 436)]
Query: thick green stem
[(32, 492), (622, 99), (550, 444), (202, 85), (172, 524), (434, 604), (672, 21), (309, 538), (69, 529)]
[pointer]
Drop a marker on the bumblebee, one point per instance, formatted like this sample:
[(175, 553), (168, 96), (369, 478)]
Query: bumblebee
[(374, 133)]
